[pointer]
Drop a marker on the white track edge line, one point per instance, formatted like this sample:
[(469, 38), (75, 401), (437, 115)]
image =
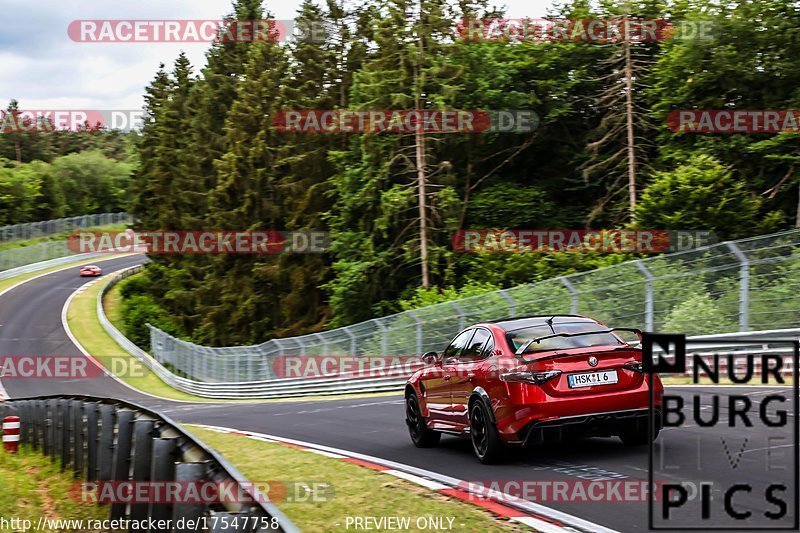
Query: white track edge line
[(65, 325), (539, 525), (532, 507), (3, 392), (427, 483)]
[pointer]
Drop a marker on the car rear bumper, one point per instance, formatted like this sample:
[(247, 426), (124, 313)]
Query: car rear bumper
[(586, 425)]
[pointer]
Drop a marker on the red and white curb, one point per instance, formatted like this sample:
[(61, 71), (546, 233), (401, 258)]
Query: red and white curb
[(534, 515)]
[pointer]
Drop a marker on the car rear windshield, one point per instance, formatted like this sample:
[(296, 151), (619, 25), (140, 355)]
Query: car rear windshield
[(519, 337)]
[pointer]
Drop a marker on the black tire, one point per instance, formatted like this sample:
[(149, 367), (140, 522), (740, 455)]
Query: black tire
[(638, 435), (421, 436), (486, 441)]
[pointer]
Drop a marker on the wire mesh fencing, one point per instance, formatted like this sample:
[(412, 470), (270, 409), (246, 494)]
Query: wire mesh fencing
[(746, 285), (45, 228), (12, 257)]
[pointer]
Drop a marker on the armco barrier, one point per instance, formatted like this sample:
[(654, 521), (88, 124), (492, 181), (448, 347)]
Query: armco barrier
[(272, 388), (741, 286), (105, 440), (25, 259), (341, 384), (42, 265)]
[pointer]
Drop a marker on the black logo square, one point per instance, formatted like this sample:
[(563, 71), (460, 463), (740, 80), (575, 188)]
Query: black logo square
[(670, 343)]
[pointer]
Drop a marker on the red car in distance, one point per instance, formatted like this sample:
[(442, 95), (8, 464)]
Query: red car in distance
[(526, 381), (91, 270)]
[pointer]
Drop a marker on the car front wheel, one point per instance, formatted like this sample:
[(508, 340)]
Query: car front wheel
[(486, 441), (421, 436)]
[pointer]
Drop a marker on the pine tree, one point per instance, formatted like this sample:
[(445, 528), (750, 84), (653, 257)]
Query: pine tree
[(147, 194), (314, 82), (385, 190), (623, 141), (212, 99), (237, 303)]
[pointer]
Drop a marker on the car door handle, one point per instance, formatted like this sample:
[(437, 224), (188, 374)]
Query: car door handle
[(447, 377), (470, 375)]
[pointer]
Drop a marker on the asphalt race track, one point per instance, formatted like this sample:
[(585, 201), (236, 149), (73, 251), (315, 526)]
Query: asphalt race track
[(30, 324)]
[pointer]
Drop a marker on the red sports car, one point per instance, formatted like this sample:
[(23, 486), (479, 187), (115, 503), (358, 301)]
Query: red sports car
[(525, 381), (91, 270)]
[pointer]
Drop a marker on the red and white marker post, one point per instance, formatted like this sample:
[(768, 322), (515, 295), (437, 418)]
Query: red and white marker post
[(11, 434)]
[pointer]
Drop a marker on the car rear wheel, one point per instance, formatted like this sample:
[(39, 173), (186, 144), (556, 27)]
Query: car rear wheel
[(638, 435), (486, 441), (421, 436)]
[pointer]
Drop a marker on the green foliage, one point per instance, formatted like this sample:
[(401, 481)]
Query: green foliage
[(698, 195), (210, 158), (139, 309), (25, 147), (76, 184), (93, 183), (509, 205), (424, 297), (697, 315)]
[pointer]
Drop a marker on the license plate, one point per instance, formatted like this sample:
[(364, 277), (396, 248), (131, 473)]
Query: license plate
[(591, 379)]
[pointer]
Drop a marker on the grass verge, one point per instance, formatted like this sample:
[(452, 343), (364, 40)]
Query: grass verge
[(34, 487), (85, 325), (357, 491)]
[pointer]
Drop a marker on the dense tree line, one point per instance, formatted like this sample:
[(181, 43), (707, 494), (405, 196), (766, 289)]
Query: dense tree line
[(602, 155), (47, 175)]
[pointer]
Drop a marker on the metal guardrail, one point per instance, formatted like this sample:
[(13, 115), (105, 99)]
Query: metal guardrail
[(42, 265), (747, 285), (274, 388), (14, 261), (105, 440), (343, 383)]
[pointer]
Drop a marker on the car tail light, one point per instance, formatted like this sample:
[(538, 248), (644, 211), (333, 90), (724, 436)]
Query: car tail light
[(636, 366), (535, 378)]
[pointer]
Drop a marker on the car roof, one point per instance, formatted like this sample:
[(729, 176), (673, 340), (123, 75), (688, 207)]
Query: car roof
[(91, 266), (517, 323)]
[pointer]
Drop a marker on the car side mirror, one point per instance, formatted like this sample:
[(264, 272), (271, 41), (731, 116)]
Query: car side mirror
[(430, 358)]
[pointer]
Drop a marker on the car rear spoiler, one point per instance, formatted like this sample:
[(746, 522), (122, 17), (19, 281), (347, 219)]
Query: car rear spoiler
[(537, 340)]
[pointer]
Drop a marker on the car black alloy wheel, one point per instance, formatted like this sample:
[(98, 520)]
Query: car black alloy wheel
[(486, 441), (421, 436), (480, 439)]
